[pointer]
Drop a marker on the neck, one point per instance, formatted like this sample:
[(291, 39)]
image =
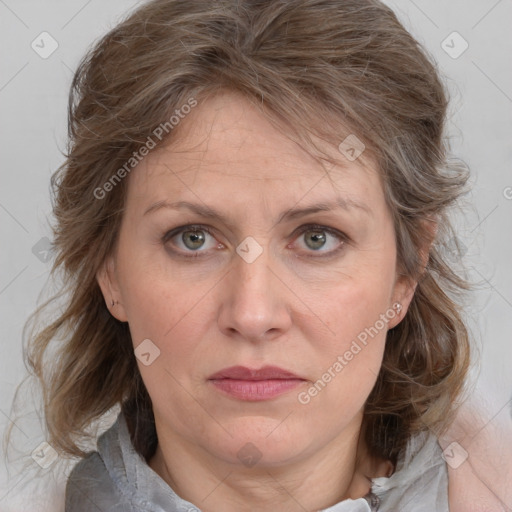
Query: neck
[(339, 470)]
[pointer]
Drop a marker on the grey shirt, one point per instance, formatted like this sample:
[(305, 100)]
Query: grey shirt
[(117, 479)]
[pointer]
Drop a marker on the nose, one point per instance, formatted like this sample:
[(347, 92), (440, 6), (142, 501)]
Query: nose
[(254, 301)]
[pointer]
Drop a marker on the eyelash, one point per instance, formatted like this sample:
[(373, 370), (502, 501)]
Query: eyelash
[(303, 229)]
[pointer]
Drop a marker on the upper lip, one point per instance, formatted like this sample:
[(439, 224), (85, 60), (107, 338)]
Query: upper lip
[(244, 373)]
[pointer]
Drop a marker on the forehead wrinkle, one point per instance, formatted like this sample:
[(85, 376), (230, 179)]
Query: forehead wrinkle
[(344, 203)]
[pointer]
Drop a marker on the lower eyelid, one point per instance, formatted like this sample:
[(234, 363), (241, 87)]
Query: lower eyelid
[(335, 234), (173, 234), (318, 254), (325, 254)]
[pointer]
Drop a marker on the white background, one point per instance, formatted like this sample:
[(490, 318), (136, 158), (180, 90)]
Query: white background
[(33, 104)]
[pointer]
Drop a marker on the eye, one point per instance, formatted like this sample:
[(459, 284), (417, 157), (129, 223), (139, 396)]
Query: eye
[(193, 238), (192, 241), (322, 239)]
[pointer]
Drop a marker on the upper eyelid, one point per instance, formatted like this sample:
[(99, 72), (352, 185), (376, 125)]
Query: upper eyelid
[(300, 230)]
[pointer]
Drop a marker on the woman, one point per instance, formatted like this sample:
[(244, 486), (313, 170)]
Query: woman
[(251, 221)]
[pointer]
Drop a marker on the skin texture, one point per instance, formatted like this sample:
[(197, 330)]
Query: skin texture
[(289, 308)]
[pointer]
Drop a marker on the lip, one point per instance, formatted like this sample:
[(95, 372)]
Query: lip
[(244, 373), (249, 384)]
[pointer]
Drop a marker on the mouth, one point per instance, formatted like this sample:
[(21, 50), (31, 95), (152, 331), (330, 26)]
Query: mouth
[(254, 385)]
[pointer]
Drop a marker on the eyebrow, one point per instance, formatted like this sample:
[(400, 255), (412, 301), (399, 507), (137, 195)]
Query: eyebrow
[(290, 214)]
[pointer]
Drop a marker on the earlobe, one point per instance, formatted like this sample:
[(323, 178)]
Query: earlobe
[(107, 282), (404, 292), (407, 296)]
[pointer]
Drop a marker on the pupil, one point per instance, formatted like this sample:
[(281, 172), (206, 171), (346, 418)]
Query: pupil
[(196, 237), (318, 239)]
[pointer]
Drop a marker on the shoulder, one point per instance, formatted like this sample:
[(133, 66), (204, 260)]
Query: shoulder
[(113, 478), (420, 483), (90, 487), (477, 448)]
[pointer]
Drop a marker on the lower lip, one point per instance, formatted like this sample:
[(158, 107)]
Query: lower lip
[(255, 390)]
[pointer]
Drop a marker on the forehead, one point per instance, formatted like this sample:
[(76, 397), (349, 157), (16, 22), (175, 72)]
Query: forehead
[(225, 145)]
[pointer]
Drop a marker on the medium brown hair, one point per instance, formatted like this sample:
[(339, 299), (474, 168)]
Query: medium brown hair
[(321, 67)]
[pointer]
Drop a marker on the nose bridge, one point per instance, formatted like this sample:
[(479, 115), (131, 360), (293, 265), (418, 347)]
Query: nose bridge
[(253, 304), (253, 275)]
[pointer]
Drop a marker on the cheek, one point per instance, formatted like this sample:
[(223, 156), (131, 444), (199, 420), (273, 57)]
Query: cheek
[(172, 313), (156, 300), (171, 317), (350, 355), (355, 305)]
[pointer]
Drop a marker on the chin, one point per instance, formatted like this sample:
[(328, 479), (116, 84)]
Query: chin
[(260, 441)]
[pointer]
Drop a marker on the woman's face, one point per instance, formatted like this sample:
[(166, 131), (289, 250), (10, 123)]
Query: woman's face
[(273, 280)]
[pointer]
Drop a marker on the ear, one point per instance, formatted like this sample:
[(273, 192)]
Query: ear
[(107, 280), (405, 286)]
